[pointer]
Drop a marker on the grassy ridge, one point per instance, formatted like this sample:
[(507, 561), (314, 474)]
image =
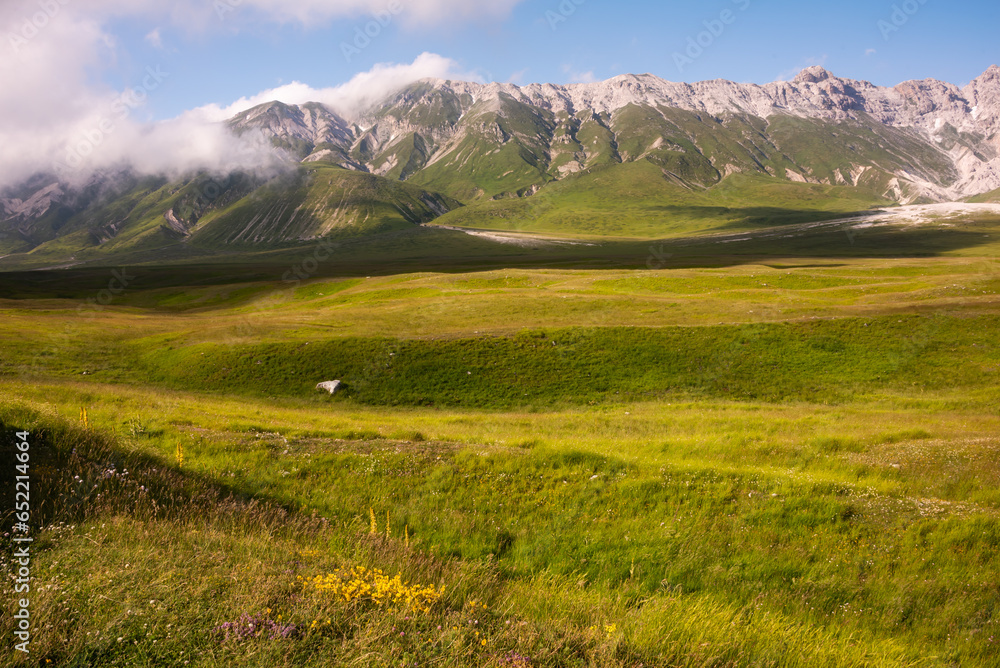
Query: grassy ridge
[(814, 361)]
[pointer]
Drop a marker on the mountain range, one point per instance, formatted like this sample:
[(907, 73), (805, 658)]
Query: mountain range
[(633, 156)]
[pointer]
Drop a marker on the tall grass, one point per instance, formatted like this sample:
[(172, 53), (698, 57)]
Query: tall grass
[(538, 553)]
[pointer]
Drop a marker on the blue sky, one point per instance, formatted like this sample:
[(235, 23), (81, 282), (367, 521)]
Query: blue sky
[(548, 41)]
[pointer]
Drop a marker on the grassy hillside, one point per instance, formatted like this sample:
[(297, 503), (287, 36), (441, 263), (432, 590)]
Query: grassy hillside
[(987, 198), (136, 221), (830, 152), (505, 150), (319, 201), (207, 215), (639, 200)]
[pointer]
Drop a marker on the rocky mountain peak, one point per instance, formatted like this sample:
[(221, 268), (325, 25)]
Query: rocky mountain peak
[(983, 96), (626, 79), (814, 74), (987, 83), (273, 108)]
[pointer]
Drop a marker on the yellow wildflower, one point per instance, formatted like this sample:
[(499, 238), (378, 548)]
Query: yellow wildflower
[(373, 585)]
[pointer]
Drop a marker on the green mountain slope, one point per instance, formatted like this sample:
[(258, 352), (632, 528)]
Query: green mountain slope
[(986, 198), (502, 147), (506, 149), (317, 201), (639, 199), (207, 214)]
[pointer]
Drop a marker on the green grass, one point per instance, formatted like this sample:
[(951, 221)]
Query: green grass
[(829, 331), (825, 361), (744, 515), (318, 201), (987, 198), (756, 458), (635, 200)]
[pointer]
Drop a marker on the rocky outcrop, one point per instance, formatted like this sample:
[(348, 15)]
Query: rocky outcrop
[(36, 206), (176, 224)]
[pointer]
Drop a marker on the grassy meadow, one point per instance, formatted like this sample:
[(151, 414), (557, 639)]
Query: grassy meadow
[(775, 451)]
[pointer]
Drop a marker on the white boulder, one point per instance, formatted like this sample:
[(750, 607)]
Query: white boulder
[(330, 386)]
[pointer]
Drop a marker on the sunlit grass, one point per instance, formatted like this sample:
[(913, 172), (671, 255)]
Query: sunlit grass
[(710, 499), (776, 539), (503, 301), (838, 506)]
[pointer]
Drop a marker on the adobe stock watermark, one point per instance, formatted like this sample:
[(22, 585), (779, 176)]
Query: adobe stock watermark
[(210, 191), (714, 29), (561, 14), (131, 99), (364, 35), (30, 27), (658, 257), (89, 308), (21, 562), (900, 16), (292, 279), (223, 7)]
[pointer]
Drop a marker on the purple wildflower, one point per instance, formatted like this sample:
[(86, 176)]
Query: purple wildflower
[(514, 660), (249, 627)]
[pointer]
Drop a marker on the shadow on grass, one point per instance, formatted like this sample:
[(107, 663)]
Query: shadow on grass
[(450, 251), (77, 475), (758, 216)]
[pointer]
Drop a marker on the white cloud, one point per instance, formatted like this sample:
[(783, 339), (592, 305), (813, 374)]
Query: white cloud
[(107, 132), (871, 52), (578, 77), (421, 12), (348, 99), (518, 78), (184, 145), (154, 39), (48, 67)]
